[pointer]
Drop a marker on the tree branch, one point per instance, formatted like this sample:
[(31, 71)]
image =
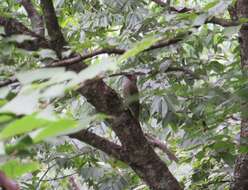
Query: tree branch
[(141, 156), (136, 151), (166, 5), (79, 58), (101, 143), (155, 72), (223, 22), (53, 28), (61, 177), (12, 27), (36, 19)]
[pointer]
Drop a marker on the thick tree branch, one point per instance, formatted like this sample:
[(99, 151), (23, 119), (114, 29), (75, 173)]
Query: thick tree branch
[(12, 26), (53, 28), (141, 155), (101, 143), (241, 165), (35, 18)]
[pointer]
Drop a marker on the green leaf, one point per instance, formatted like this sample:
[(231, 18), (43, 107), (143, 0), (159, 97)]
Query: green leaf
[(219, 7), (4, 91), (200, 20), (164, 108), (54, 128), (15, 168), (39, 74), (230, 31), (243, 149), (23, 125), (19, 38), (94, 70), (211, 5), (5, 119), (138, 47), (186, 16), (92, 172), (2, 31), (20, 146), (26, 102), (243, 20), (2, 150), (156, 105), (54, 91), (47, 53)]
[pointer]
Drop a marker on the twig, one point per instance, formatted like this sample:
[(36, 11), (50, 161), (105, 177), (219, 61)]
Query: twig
[(154, 72), (59, 178), (78, 58), (45, 173)]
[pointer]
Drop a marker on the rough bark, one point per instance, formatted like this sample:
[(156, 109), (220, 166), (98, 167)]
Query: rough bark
[(56, 37), (141, 156), (35, 18), (14, 27), (101, 143), (241, 165), (135, 150)]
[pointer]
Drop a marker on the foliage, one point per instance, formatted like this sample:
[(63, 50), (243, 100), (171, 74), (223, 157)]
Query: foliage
[(197, 113)]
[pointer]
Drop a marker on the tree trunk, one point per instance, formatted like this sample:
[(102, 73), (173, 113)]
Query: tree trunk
[(241, 166), (134, 149), (139, 154)]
